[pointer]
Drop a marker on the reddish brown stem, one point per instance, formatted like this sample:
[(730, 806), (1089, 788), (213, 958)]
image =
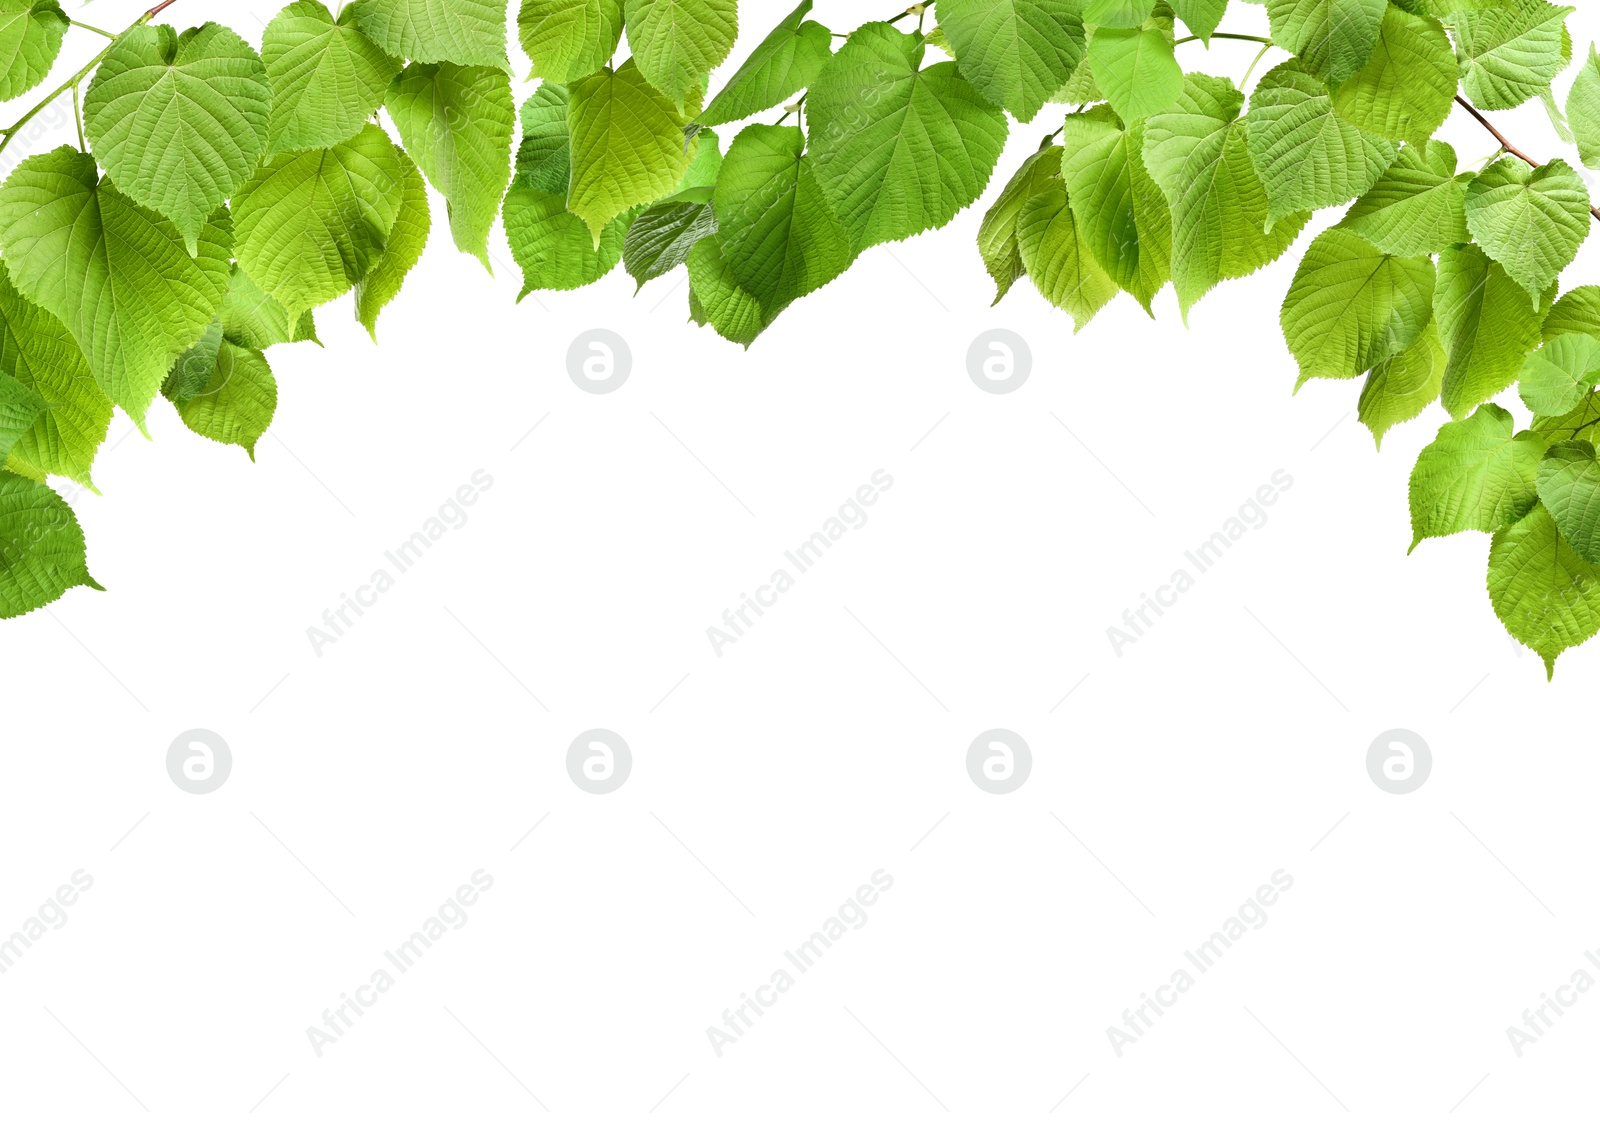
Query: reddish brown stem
[(156, 11), (1499, 136)]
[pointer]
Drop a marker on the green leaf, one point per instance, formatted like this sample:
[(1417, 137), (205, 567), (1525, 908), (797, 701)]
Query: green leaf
[(456, 123), (327, 78), (1333, 38), (1487, 326), (1112, 13), (42, 553), (1475, 476), (20, 408), (567, 39), (786, 61), (234, 403), (1016, 52), (1555, 379), (30, 39), (1569, 487), (1401, 387), (1577, 311), (117, 275), (37, 349), (715, 298), (544, 158), (1081, 88), (465, 32), (627, 145), (1580, 424), (706, 164), (1419, 206), (997, 235), (1543, 591), (1057, 259), (312, 224), (1136, 70), (402, 250), (1510, 52), (1351, 306), (677, 42), (554, 247), (1200, 16), (1407, 87), (1530, 220), (1308, 156), (1121, 213), (1583, 109), (252, 319), (1198, 155), (661, 238), (898, 149), (779, 238), (178, 122)]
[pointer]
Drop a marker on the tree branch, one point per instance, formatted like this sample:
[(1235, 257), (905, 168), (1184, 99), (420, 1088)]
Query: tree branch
[(1504, 143)]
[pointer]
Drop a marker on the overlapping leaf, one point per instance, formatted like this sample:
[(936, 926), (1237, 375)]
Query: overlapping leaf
[(1403, 386), (1016, 52), (402, 249), (1510, 51), (1333, 38), (465, 32), (1487, 325), (1545, 593), (42, 553), (997, 235), (30, 39), (1530, 220), (785, 62), (1058, 260), (1419, 206), (627, 146), (556, 248), (1136, 70), (676, 42), (327, 78), (1477, 475), (1405, 89), (1121, 213), (567, 39)]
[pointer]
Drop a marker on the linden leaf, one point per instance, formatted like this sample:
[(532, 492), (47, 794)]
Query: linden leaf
[(1419, 206), (402, 250), (1511, 51), (1407, 87), (1545, 593), (1016, 52), (676, 42), (456, 122), (627, 145), (567, 39), (786, 61), (464, 32), (1475, 476), (1555, 379), (178, 122), (30, 39), (997, 235), (42, 553), (1402, 387), (1569, 487), (1058, 260), (1487, 326), (327, 78), (1530, 220), (1332, 38)]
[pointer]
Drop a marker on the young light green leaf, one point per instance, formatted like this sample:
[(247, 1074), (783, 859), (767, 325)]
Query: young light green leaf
[(1307, 155), (895, 148), (715, 298), (677, 42), (661, 238), (1401, 387), (20, 408), (997, 235), (1511, 51), (1121, 213), (1475, 476), (567, 39), (785, 62), (464, 32), (1583, 109), (1057, 259), (1487, 326), (1545, 593), (178, 122), (1333, 38), (39, 351), (456, 123), (544, 158), (1419, 206), (1530, 220), (30, 39), (706, 164), (42, 553), (1408, 85), (1580, 424), (1081, 88), (1569, 487), (1555, 379), (327, 78), (1352, 306), (627, 146), (778, 237), (1577, 311), (117, 275), (1016, 52), (1112, 13), (554, 247), (1136, 70), (235, 404), (1198, 155), (253, 319), (1200, 16), (402, 250), (312, 224)]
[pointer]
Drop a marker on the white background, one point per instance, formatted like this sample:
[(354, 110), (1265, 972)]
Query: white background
[(769, 782)]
